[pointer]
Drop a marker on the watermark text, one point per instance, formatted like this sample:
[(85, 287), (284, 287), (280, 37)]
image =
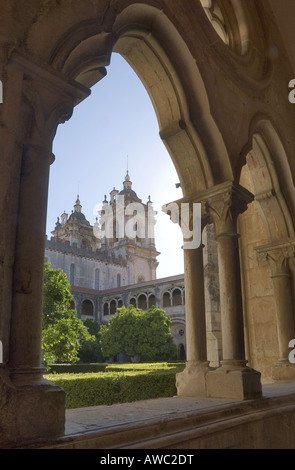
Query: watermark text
[(137, 221), (291, 95), (292, 352)]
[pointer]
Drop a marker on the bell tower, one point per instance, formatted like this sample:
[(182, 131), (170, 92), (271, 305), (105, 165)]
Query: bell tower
[(127, 226)]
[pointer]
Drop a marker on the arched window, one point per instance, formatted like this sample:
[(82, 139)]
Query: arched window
[(113, 307), (87, 308), (151, 301), (106, 309), (176, 297), (96, 279), (133, 302), (72, 274), (166, 300), (142, 302), (120, 303)]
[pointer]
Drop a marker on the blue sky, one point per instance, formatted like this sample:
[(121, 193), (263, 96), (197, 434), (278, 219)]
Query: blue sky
[(91, 149)]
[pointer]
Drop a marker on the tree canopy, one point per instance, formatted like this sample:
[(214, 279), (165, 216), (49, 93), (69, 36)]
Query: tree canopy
[(134, 332), (62, 331)]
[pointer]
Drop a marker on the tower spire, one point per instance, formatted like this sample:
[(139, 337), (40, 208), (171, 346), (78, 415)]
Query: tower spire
[(77, 206)]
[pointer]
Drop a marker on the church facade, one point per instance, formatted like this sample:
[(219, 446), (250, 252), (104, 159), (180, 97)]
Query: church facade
[(113, 262)]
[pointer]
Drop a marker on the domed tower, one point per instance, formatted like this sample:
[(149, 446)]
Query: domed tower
[(128, 231), (76, 229)]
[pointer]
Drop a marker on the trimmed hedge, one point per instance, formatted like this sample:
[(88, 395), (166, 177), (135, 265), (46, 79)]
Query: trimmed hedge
[(102, 367), (108, 388), (143, 366), (77, 368)]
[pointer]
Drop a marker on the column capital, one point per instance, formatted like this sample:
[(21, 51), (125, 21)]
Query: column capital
[(280, 255), (48, 96), (222, 201)]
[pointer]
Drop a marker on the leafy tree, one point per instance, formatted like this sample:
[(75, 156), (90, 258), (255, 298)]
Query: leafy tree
[(134, 332), (62, 331), (156, 341), (90, 350)]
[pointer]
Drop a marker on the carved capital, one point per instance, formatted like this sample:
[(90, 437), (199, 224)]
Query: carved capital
[(224, 203), (49, 99), (221, 204), (279, 255)]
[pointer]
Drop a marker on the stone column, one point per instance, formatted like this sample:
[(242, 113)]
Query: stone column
[(233, 379), (25, 342), (212, 296), (192, 381), (34, 407), (280, 256)]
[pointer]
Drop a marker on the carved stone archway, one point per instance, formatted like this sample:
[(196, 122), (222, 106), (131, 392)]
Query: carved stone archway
[(204, 92)]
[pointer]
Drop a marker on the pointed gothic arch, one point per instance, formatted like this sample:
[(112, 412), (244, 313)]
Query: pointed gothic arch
[(147, 39), (267, 247), (271, 180)]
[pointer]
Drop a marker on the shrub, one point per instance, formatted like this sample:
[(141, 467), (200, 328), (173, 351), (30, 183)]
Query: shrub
[(76, 368), (108, 388)]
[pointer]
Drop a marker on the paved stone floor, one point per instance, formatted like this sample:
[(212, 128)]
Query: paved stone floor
[(98, 417), (179, 421), (105, 417)]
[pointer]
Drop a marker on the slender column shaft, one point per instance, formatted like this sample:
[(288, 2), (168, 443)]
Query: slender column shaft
[(280, 257), (233, 346), (25, 345), (224, 206), (233, 379), (195, 305)]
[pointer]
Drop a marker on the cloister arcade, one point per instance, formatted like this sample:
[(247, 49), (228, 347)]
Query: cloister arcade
[(217, 74)]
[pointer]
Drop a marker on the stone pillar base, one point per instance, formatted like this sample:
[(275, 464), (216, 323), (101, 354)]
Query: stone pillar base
[(283, 371), (192, 381), (235, 383), (30, 412)]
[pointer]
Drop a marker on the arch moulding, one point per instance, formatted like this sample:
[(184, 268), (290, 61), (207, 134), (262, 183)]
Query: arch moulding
[(151, 44)]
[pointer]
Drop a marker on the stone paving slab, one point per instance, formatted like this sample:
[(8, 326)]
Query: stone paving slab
[(172, 422)]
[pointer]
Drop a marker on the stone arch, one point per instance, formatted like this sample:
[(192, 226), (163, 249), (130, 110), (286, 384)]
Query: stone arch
[(267, 231), (271, 180), (113, 307), (151, 300), (166, 299), (106, 309), (142, 301), (87, 308), (154, 47), (133, 302), (177, 296), (148, 47)]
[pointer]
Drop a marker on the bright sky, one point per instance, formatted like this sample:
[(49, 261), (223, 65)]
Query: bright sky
[(91, 149)]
